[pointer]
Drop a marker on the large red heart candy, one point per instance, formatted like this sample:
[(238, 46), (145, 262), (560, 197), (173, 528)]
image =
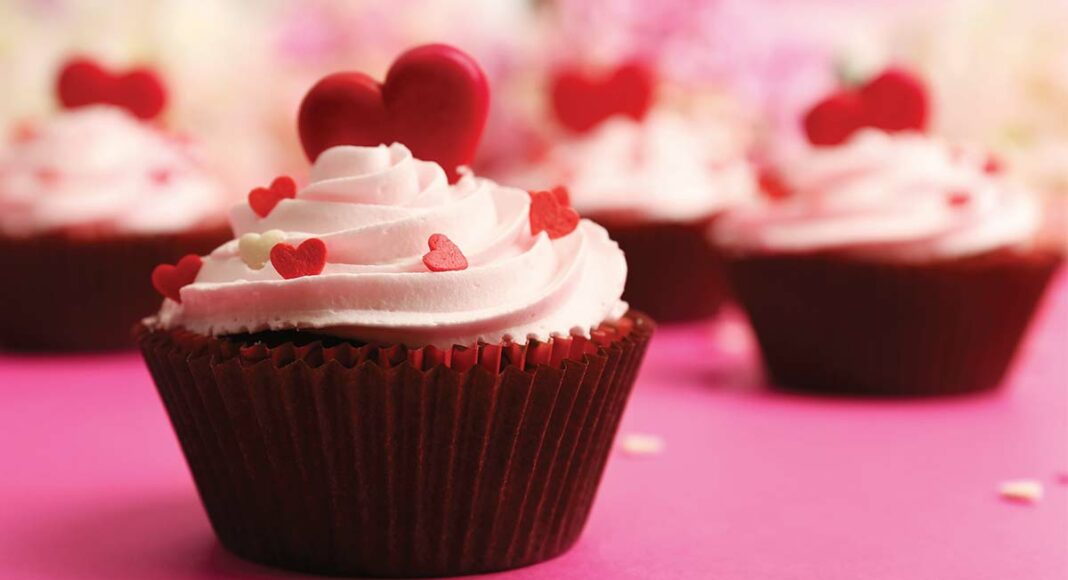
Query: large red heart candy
[(548, 214), (169, 280), (834, 119), (262, 199), (434, 100), (582, 102), (84, 82), (895, 101), (444, 256), (307, 259)]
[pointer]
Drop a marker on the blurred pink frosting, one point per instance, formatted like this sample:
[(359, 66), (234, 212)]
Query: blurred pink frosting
[(375, 208), (904, 196), (99, 167)]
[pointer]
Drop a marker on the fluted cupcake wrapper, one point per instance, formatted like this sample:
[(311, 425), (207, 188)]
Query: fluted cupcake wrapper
[(67, 293), (831, 324), (379, 460), (674, 274)]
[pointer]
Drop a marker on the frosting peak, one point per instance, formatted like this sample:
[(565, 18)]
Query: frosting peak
[(375, 208), (99, 166)]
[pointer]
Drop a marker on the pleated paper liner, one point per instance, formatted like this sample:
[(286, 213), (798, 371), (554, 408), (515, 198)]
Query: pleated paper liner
[(673, 273), (62, 292), (837, 325), (322, 456)]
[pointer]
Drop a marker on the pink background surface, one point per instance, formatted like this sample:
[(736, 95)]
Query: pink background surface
[(752, 484)]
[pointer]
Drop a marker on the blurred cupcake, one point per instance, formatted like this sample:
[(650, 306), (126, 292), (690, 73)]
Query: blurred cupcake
[(654, 177), (390, 374), (894, 264), (90, 201)]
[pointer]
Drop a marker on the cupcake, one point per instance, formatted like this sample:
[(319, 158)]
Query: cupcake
[(91, 200), (893, 263), (392, 372), (654, 176)]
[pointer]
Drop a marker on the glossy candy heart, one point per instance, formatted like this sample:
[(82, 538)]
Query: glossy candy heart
[(834, 119), (255, 249), (548, 214), (434, 100), (169, 280), (582, 102), (444, 256), (895, 100), (263, 199), (84, 82), (307, 259)]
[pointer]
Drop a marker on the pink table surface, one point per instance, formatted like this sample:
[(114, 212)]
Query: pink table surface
[(752, 484)]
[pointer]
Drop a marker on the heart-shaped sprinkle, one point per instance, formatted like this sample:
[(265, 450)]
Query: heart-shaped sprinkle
[(562, 195), (434, 100), (263, 199), (772, 185), (255, 249), (958, 198), (582, 102), (169, 280), (444, 256), (84, 82), (307, 259), (834, 119), (893, 101), (548, 215)]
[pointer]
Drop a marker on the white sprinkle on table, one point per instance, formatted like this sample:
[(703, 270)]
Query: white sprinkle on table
[(1021, 490), (641, 444)]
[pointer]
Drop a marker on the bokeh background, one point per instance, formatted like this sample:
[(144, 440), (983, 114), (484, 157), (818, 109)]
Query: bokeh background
[(237, 68)]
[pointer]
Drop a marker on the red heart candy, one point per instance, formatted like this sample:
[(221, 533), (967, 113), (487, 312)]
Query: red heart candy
[(84, 82), (834, 119), (582, 102), (307, 259), (169, 280), (262, 199), (547, 214), (444, 256), (895, 101), (434, 100), (562, 195)]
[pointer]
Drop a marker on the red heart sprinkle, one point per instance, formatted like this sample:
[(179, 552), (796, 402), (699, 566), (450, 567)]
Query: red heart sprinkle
[(772, 185), (547, 214), (958, 198), (434, 100), (169, 280), (895, 101), (562, 195), (444, 256), (582, 102), (993, 165), (263, 199), (84, 82), (307, 259), (834, 119)]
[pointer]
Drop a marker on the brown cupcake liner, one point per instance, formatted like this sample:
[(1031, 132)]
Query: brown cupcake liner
[(323, 456), (834, 324), (673, 273), (63, 292)]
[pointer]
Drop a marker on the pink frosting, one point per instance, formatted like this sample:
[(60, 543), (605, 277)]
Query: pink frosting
[(375, 208), (99, 167), (904, 196)]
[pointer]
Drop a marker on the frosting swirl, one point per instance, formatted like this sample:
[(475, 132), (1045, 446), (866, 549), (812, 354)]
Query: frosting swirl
[(98, 167), (659, 168), (375, 208), (900, 196)]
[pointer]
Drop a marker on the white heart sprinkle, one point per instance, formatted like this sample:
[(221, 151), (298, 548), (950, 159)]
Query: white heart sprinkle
[(255, 249), (1024, 490), (641, 444)]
